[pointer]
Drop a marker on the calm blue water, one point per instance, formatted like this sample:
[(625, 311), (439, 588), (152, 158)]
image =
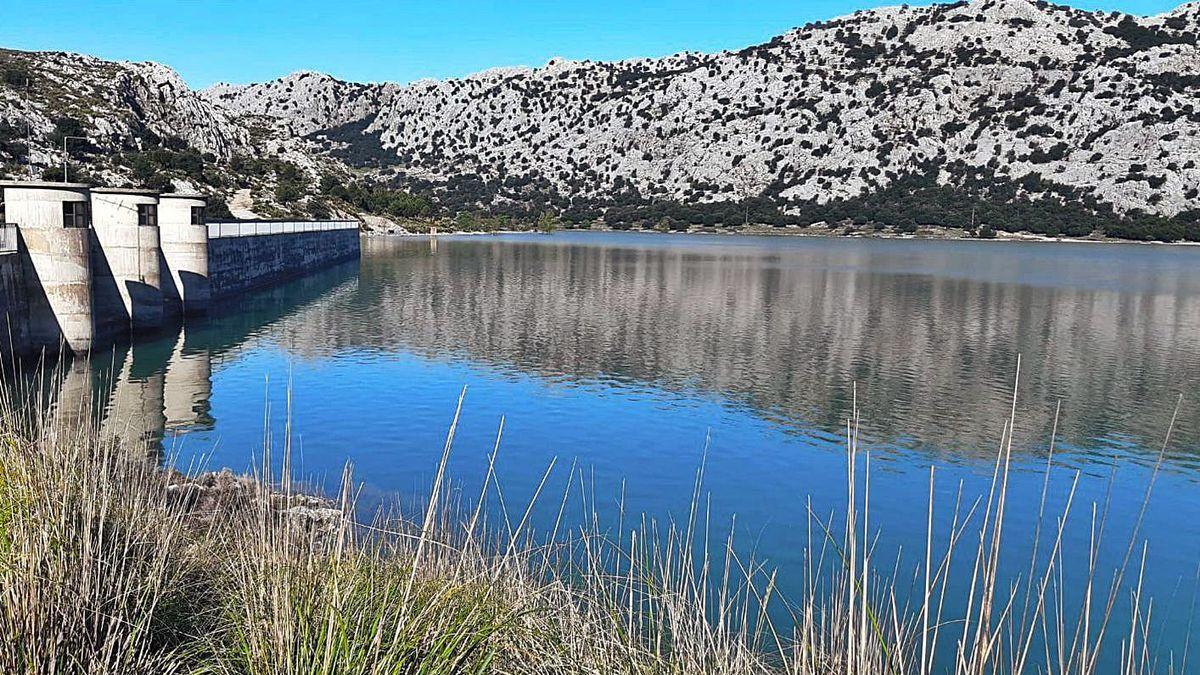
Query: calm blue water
[(625, 355)]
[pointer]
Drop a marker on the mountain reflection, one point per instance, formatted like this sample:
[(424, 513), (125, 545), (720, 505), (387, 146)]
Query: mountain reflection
[(926, 334)]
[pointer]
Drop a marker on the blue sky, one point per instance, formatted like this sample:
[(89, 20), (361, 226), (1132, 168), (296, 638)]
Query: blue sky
[(403, 40)]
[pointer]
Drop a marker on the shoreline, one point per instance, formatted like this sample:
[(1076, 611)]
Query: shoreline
[(941, 234)]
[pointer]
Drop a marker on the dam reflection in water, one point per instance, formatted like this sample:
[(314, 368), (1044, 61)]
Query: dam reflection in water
[(161, 386), (136, 395), (153, 388)]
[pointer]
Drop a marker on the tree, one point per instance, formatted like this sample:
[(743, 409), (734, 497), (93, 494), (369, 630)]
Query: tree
[(318, 209), (288, 191), (749, 181), (291, 182), (66, 126), (16, 75), (149, 175), (12, 141), (547, 222), (466, 222), (217, 209), (75, 172), (330, 185)]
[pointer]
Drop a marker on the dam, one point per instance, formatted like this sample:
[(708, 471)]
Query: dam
[(83, 266)]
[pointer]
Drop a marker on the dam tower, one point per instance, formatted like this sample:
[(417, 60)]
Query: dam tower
[(55, 242), (126, 260), (184, 238)]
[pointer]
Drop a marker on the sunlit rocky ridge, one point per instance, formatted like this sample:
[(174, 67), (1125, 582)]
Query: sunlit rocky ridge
[(1042, 97)]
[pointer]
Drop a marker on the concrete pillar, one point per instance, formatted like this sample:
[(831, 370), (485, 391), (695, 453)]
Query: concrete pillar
[(126, 260), (185, 252), (53, 222), (14, 303)]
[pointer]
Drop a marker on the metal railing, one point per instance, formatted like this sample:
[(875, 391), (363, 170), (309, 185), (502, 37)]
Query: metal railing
[(254, 228), (8, 237)]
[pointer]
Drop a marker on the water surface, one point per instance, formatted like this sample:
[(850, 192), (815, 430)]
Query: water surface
[(629, 354)]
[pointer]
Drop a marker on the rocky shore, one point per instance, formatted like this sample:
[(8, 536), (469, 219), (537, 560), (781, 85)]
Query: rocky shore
[(206, 496)]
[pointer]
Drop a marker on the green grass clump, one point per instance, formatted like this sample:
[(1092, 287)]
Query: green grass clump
[(307, 607)]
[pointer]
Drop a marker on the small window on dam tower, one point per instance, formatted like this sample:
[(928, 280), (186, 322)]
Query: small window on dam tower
[(197, 215), (75, 214), (148, 215)]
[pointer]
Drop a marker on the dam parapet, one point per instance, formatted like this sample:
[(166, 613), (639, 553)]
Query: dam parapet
[(81, 267), (245, 255)]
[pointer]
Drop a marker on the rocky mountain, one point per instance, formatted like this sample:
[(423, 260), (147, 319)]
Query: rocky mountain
[(115, 105), (1024, 114), (303, 102)]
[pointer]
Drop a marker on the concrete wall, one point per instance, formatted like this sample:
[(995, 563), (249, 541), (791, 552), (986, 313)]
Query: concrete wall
[(14, 305), (236, 264), (79, 268), (185, 284), (55, 263), (125, 263)]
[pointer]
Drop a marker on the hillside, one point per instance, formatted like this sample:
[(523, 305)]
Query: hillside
[(115, 104), (1009, 113)]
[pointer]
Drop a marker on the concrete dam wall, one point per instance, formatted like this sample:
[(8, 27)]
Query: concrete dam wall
[(242, 256), (82, 267), (14, 306)]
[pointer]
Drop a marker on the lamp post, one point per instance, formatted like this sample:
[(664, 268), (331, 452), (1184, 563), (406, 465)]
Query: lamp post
[(65, 155), (28, 131)]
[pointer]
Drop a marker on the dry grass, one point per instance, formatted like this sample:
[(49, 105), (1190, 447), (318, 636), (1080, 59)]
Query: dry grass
[(112, 565), (93, 558)]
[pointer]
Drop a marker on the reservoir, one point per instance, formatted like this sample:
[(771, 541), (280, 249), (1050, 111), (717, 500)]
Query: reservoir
[(633, 361)]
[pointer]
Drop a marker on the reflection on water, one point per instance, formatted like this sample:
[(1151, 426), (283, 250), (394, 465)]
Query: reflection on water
[(928, 332), (134, 411), (626, 352), (187, 387), (138, 393)]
